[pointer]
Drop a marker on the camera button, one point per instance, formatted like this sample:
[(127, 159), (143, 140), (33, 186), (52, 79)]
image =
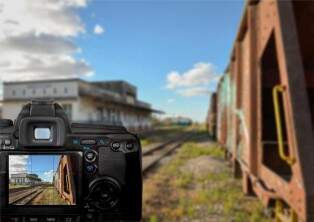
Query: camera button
[(51, 219), (15, 219), (90, 169), (115, 146), (68, 219), (32, 219), (90, 156), (129, 146)]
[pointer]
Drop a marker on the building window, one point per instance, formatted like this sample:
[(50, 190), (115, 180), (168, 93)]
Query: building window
[(118, 116), (100, 114), (44, 91), (90, 117), (65, 90), (13, 92), (68, 110), (34, 91), (24, 92), (55, 91)]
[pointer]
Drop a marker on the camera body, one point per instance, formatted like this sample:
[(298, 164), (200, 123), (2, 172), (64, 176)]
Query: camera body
[(52, 170)]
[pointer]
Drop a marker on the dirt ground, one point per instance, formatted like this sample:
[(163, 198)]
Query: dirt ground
[(196, 185)]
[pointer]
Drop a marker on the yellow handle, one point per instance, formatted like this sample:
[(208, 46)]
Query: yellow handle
[(289, 159)]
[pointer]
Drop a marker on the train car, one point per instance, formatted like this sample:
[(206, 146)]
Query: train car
[(265, 106), (64, 179)]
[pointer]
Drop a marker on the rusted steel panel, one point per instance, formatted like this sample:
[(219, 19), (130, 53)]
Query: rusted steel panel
[(265, 19), (274, 48), (64, 179)]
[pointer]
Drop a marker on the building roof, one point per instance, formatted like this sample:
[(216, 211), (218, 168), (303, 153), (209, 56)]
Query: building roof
[(42, 81), (107, 91)]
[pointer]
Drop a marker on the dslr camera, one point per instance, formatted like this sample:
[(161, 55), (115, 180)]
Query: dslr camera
[(55, 171)]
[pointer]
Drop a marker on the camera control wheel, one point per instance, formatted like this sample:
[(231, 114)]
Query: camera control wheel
[(104, 193), (90, 156)]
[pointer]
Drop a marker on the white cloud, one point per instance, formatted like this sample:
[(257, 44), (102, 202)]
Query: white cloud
[(38, 44), (98, 30), (18, 164), (55, 17), (200, 73), (48, 176), (36, 39), (194, 91), (193, 82)]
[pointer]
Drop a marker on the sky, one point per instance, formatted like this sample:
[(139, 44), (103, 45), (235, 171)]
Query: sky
[(173, 51), (43, 165)]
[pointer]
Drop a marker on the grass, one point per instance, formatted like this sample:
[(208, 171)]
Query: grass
[(173, 194)]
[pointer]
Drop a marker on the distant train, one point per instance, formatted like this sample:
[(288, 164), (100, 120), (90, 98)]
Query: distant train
[(262, 111)]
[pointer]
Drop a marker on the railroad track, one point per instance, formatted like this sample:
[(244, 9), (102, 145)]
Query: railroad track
[(25, 196), (152, 156)]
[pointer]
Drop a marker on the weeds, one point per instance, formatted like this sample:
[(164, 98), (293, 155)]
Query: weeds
[(177, 194)]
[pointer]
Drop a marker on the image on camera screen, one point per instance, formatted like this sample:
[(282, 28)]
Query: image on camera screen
[(43, 179)]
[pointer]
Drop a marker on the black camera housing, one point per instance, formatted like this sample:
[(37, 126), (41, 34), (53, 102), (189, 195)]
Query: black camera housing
[(107, 169)]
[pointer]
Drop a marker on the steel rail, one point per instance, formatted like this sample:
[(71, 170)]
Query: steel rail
[(155, 155), (161, 145), (26, 196)]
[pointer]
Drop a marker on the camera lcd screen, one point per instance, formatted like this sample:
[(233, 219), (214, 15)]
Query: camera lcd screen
[(43, 179)]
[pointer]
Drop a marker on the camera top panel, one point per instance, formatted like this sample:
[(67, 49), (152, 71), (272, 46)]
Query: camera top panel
[(126, 143)]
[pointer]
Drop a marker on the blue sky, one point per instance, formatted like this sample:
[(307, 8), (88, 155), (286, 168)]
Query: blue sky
[(173, 51), (42, 165), (143, 41)]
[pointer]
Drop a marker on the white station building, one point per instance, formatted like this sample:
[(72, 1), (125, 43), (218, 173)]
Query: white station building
[(108, 102), (25, 179)]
